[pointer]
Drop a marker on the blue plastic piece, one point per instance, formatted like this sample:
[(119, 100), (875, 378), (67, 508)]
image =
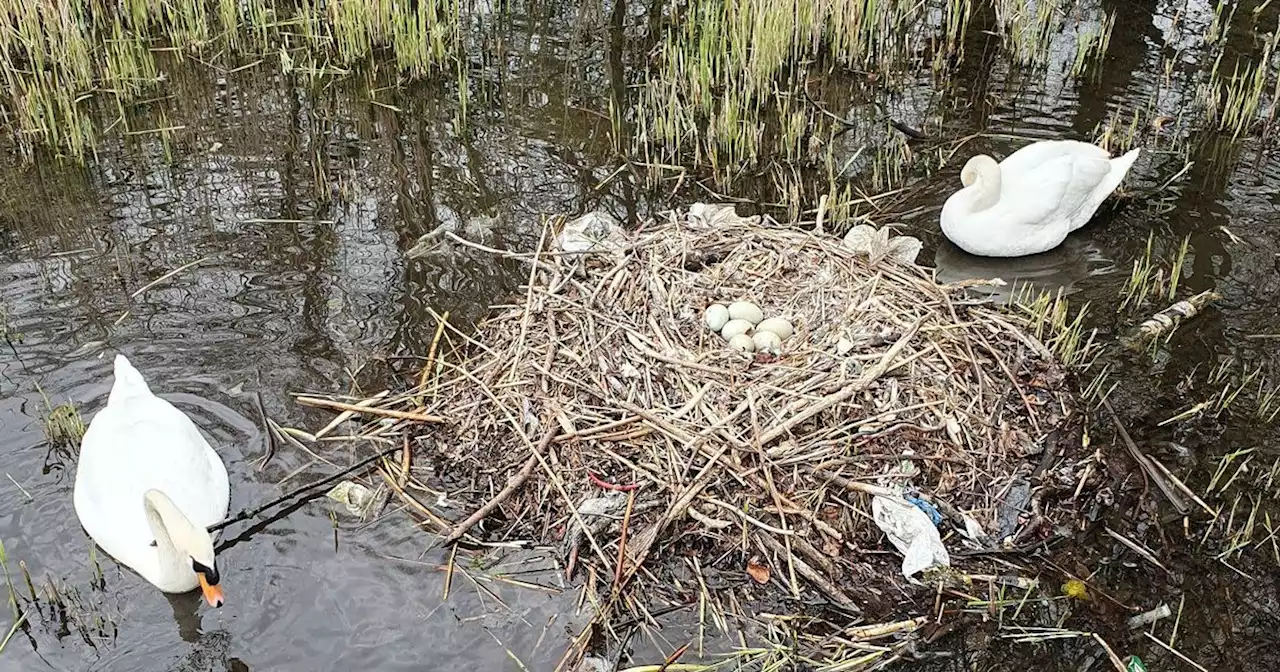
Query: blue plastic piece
[(927, 508)]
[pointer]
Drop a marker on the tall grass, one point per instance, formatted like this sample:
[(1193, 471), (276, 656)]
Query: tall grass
[(60, 62)]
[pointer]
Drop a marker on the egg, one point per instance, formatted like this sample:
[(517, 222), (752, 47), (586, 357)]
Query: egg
[(745, 310), (777, 325), (767, 341), (716, 316), (735, 328), (743, 343)]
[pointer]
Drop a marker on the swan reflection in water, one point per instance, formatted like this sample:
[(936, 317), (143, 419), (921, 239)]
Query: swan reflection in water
[(1061, 268)]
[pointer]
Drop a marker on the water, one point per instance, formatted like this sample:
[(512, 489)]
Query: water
[(304, 285)]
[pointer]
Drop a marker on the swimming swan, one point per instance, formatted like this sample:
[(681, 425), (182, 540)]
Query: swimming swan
[(1029, 202), (148, 486)]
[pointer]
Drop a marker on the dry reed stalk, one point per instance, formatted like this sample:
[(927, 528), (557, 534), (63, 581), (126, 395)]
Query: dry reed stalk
[(369, 410)]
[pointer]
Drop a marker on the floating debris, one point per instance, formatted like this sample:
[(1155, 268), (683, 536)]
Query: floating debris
[(1163, 323), (358, 499)]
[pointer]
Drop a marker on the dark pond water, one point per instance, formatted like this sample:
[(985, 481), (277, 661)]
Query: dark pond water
[(302, 202)]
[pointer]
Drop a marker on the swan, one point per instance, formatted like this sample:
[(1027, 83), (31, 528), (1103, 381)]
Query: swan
[(1029, 202), (148, 486)]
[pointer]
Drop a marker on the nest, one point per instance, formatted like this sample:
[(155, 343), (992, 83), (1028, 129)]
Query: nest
[(601, 413)]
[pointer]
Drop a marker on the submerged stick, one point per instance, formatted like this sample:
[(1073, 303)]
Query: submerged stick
[(512, 485), (166, 276), (1144, 463), (250, 513)]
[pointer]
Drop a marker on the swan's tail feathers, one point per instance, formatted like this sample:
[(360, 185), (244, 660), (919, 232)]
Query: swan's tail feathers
[(129, 382), (1119, 168)]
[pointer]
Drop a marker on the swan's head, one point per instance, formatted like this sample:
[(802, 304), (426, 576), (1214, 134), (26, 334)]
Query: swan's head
[(198, 546), (193, 544), (977, 167)]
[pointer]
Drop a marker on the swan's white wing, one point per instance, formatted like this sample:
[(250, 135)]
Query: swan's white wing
[(1035, 155), (1052, 191), (137, 445), (1029, 162)]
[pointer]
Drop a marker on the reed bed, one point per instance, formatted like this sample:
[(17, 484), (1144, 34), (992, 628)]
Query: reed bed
[(600, 414)]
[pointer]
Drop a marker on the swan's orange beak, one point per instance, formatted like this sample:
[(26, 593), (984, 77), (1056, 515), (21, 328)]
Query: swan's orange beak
[(212, 591)]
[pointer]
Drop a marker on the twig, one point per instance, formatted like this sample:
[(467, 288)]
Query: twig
[(622, 543), (347, 415), (372, 410), (166, 276), (266, 429), (513, 484), (1175, 652), (1144, 463), (815, 577), (1115, 660), (854, 388), (1134, 546)]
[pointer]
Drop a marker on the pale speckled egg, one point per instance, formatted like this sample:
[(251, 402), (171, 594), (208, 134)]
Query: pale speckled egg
[(716, 317), (742, 343), (745, 310), (735, 328)]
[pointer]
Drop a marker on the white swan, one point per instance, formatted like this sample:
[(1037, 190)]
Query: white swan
[(1029, 202), (148, 485)]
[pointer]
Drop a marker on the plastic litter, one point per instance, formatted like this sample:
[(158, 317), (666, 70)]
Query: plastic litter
[(934, 516), (911, 532), (355, 497), (878, 243), (594, 231)]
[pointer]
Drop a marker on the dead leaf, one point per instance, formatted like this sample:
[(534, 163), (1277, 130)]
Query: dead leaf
[(757, 571)]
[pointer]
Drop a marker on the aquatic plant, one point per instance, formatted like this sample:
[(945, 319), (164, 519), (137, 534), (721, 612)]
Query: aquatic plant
[(64, 63)]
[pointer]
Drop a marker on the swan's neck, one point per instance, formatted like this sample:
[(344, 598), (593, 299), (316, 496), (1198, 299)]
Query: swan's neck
[(163, 516), (985, 189)]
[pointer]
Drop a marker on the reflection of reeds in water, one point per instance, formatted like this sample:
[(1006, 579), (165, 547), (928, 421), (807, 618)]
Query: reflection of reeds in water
[(8, 333), (62, 62), (731, 85), (730, 81)]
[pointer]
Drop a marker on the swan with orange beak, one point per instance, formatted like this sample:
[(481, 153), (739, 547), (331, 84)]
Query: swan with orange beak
[(148, 487)]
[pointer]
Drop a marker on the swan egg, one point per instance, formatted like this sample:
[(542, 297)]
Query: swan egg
[(742, 343), (735, 328), (716, 316), (766, 341), (745, 310), (778, 326)]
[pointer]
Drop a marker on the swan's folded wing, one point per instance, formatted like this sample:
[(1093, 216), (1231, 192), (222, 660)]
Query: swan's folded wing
[(1054, 190), (1030, 158)]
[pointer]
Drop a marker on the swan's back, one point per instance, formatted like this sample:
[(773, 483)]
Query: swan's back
[(138, 442)]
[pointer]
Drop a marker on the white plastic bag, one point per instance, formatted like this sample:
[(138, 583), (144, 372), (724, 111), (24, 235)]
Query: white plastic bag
[(911, 531)]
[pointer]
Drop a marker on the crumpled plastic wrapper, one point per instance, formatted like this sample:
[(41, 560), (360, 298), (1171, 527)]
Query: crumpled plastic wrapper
[(911, 532), (358, 499), (878, 244)]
